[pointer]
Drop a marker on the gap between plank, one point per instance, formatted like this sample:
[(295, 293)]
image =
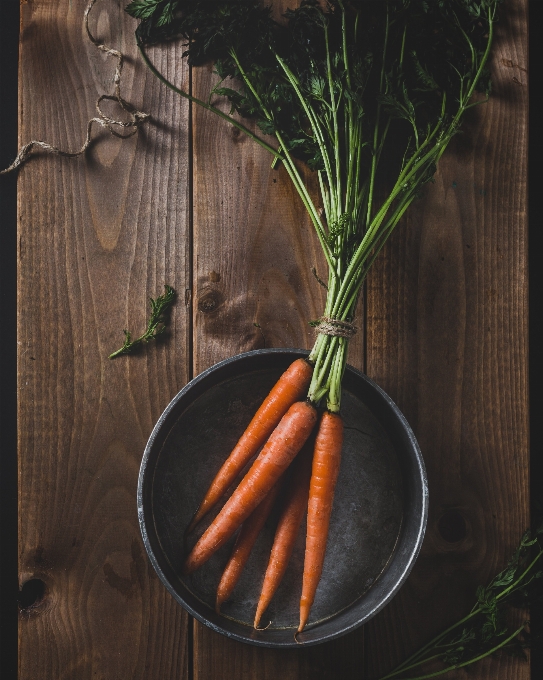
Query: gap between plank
[(190, 348)]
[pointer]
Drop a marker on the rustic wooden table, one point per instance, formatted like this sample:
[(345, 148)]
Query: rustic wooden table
[(190, 202)]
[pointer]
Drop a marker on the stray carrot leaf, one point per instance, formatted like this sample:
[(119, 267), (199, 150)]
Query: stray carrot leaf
[(156, 325), (487, 628)]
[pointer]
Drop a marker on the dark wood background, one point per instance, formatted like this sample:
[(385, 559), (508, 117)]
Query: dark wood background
[(190, 202)]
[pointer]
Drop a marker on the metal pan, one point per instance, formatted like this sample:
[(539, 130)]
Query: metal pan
[(377, 524)]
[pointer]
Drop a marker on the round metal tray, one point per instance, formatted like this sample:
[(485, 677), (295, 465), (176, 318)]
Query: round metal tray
[(378, 519)]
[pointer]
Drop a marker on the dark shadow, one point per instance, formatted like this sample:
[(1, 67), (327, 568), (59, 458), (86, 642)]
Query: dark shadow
[(535, 317), (9, 586)]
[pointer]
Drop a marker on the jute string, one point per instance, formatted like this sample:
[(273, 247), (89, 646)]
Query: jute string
[(136, 118), (336, 327)]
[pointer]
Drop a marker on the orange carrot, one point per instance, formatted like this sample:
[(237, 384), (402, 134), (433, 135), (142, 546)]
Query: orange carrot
[(290, 388), (287, 528), (277, 454), (242, 548), (326, 460)]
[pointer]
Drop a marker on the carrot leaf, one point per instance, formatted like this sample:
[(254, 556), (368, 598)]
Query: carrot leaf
[(367, 93), (489, 627), (158, 321)]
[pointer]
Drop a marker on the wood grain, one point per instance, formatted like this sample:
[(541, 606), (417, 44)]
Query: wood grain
[(447, 334), (424, 349), (253, 246), (192, 203), (97, 235), (254, 249)]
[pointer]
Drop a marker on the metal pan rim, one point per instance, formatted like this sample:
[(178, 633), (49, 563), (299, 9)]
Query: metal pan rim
[(403, 558)]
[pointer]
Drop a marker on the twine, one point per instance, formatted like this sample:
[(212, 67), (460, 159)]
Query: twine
[(137, 118), (335, 327)]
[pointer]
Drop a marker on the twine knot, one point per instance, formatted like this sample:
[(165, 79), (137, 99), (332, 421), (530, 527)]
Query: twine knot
[(326, 325)]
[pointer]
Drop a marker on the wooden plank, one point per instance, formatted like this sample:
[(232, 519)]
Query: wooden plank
[(97, 236), (447, 339), (254, 251), (254, 248), (427, 354)]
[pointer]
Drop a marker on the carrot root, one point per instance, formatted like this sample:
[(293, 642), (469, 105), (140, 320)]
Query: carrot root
[(326, 461), (290, 388), (287, 529), (245, 541), (279, 451)]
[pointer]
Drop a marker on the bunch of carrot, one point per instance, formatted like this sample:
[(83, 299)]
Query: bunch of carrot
[(282, 426), (368, 94)]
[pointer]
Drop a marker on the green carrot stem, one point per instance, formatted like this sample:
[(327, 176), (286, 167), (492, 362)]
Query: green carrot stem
[(474, 612), (459, 665), (206, 105)]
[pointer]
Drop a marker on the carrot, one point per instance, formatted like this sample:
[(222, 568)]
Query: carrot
[(326, 460), (290, 387), (242, 548), (287, 528), (277, 454)]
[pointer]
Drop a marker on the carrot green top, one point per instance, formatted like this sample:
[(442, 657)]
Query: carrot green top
[(368, 94)]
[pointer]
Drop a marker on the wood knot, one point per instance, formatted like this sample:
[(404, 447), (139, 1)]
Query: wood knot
[(31, 594), (210, 301)]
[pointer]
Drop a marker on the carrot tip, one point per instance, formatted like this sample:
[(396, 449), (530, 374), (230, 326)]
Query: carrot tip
[(296, 638), (196, 518), (303, 621), (258, 617)]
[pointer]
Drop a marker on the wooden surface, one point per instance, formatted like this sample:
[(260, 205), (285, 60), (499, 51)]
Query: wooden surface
[(190, 202)]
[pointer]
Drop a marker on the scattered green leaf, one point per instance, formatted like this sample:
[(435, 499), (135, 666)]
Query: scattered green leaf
[(160, 309), (487, 629)]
